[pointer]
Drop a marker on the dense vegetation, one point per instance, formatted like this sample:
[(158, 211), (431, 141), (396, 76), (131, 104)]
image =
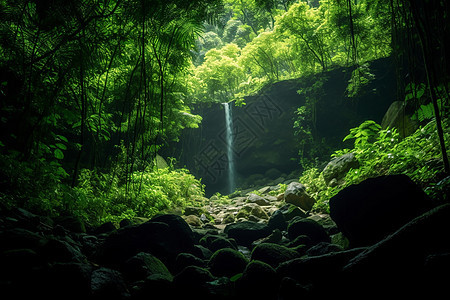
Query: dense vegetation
[(92, 90), (383, 152), (287, 39)]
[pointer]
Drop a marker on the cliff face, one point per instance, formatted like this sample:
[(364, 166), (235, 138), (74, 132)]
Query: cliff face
[(265, 145)]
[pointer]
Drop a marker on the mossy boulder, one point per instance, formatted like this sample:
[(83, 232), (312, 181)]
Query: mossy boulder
[(368, 211), (301, 226), (259, 281), (143, 265), (247, 232), (227, 262), (273, 254)]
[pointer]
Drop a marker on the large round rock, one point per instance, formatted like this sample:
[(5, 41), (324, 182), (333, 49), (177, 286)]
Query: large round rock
[(300, 226), (246, 232), (368, 211), (296, 194), (227, 262)]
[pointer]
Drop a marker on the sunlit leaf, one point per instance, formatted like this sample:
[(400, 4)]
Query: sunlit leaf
[(61, 146), (58, 154)]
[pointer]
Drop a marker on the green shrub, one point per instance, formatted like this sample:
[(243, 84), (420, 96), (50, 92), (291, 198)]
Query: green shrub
[(382, 152), (101, 198), (43, 187)]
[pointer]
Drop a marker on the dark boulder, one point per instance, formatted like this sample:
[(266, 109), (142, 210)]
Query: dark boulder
[(55, 250), (15, 262), (17, 238), (319, 273), (69, 281), (323, 248), (273, 254), (256, 199), (184, 260), (153, 285), (72, 223), (215, 242), (277, 221), (192, 210), (164, 236), (259, 281), (301, 226), (143, 265), (368, 211), (227, 262), (301, 240), (436, 274), (21, 274), (105, 228), (108, 284), (130, 240), (192, 277), (246, 232), (291, 289), (399, 264), (275, 237), (202, 252), (198, 283), (179, 237)]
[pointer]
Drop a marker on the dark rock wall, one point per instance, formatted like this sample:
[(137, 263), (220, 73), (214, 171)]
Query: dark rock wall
[(263, 128)]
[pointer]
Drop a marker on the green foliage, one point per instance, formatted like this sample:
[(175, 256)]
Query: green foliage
[(364, 134), (425, 111), (98, 197), (97, 73), (360, 78), (382, 152), (219, 77), (101, 197), (317, 188), (282, 188), (287, 39), (310, 148), (37, 185), (90, 91)]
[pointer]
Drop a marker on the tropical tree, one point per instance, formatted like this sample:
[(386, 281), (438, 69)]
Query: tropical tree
[(219, 77), (85, 76)]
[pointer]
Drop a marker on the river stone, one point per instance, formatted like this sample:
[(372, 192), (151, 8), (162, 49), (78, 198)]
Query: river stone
[(193, 220), (273, 254), (247, 231), (301, 226), (296, 194), (108, 284), (277, 221), (253, 198), (143, 265), (227, 262), (192, 210), (259, 281)]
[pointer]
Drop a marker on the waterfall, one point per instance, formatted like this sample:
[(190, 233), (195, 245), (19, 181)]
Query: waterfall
[(230, 156)]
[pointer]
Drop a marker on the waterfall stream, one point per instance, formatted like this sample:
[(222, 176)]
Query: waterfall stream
[(229, 139)]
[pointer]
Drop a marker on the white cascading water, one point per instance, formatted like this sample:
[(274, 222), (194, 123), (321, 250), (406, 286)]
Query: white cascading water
[(230, 158)]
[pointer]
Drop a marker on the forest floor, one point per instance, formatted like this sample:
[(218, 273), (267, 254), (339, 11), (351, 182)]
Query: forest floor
[(262, 247)]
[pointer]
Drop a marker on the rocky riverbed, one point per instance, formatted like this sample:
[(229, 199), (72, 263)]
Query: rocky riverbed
[(382, 237)]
